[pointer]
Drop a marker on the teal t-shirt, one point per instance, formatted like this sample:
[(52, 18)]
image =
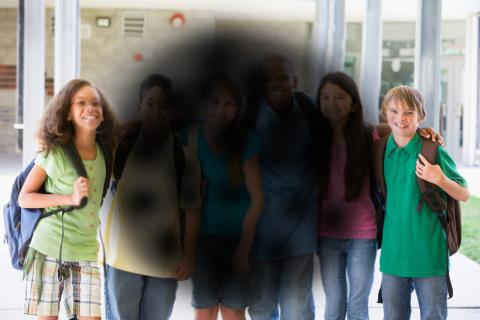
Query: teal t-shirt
[(225, 204), (414, 244), (81, 225)]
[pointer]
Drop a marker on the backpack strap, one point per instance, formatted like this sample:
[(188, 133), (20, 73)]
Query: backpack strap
[(192, 142), (250, 113), (378, 156), (108, 156), (429, 151), (121, 155), (430, 193), (309, 111), (378, 189), (180, 162), (74, 157), (431, 196), (307, 106)]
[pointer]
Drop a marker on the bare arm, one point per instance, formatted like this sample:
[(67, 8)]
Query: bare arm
[(190, 197), (253, 182), (192, 231), (29, 196), (435, 175), (430, 133)]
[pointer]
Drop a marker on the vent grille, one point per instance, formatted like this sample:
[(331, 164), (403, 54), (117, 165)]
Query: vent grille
[(133, 24), (52, 27)]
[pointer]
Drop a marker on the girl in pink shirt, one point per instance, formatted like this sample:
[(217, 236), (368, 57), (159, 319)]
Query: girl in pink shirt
[(347, 227)]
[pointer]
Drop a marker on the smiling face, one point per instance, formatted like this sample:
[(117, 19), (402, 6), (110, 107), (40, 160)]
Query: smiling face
[(404, 109), (221, 106), (279, 83), (335, 103), (154, 109), (86, 111), (401, 118)]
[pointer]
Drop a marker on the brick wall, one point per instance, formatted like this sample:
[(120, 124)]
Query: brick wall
[(8, 61), (7, 119)]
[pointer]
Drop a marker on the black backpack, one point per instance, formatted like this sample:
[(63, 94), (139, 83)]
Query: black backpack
[(121, 155), (448, 212), (125, 147), (20, 223)]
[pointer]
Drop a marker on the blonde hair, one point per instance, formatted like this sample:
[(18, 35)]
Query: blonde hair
[(408, 95)]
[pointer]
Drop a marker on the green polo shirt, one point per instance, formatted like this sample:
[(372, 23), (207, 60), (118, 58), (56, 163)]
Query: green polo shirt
[(413, 241), (81, 225)]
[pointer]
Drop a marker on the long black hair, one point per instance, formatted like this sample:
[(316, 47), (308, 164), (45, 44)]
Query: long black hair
[(357, 135)]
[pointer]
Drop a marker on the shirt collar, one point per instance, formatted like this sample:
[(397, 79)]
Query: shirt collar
[(267, 106), (412, 146)]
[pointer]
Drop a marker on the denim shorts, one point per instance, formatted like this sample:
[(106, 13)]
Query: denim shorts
[(214, 281)]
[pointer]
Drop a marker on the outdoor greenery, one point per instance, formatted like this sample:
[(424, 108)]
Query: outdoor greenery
[(471, 229)]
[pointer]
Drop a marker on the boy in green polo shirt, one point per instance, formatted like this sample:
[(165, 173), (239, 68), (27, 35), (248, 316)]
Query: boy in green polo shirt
[(414, 247)]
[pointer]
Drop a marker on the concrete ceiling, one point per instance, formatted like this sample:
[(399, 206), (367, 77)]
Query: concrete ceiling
[(296, 10)]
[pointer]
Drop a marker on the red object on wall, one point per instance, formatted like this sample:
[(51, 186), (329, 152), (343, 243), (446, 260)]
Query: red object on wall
[(138, 57), (177, 20)]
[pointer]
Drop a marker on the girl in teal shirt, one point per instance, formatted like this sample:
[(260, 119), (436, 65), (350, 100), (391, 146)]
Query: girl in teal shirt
[(233, 200)]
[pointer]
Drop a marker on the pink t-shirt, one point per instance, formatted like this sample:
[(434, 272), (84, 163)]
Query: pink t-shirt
[(339, 218)]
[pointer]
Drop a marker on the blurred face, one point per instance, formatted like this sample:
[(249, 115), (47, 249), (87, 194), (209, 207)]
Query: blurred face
[(402, 120), (279, 83), (155, 109), (86, 111), (221, 107), (335, 103)]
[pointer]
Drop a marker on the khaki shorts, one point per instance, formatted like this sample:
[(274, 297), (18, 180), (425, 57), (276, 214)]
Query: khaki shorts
[(80, 288)]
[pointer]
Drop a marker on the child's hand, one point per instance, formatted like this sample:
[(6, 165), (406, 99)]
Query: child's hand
[(80, 191), (429, 133), (185, 269), (427, 171)]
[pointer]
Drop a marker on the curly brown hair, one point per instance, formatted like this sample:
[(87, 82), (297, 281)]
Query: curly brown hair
[(56, 130)]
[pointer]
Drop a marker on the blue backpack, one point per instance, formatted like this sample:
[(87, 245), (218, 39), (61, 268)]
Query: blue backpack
[(20, 223)]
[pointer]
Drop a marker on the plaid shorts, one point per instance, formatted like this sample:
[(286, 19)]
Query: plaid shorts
[(80, 287)]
